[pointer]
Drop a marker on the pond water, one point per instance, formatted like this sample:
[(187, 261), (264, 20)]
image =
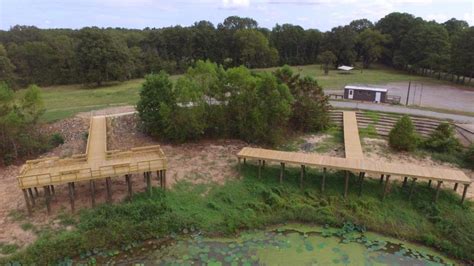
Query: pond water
[(292, 244)]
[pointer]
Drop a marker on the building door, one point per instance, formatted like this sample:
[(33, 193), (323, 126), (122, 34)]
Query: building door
[(351, 94), (377, 97)]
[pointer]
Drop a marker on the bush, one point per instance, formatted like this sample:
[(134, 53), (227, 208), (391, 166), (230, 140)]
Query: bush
[(469, 156), (442, 139), (56, 139), (403, 136), (8, 159)]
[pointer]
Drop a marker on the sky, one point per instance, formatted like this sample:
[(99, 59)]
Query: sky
[(319, 14)]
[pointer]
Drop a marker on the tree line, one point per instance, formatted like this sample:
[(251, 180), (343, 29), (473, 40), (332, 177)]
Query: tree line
[(29, 55)]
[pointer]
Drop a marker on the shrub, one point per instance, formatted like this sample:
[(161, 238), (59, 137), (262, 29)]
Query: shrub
[(403, 136), (469, 156), (8, 159), (442, 139), (56, 139)]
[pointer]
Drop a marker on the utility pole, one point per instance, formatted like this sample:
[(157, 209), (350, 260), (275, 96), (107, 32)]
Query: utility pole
[(408, 94)]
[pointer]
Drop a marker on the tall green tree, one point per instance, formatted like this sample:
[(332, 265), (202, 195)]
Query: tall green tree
[(310, 106), (101, 57), (341, 41), (327, 58), (426, 47), (156, 97), (289, 40), (254, 49), (462, 54), (6, 67), (371, 43), (396, 25)]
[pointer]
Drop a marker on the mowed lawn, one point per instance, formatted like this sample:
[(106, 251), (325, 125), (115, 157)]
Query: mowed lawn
[(66, 100)]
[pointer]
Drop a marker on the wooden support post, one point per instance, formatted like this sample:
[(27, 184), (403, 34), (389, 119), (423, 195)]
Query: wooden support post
[(346, 185), (92, 188), (108, 185), (128, 179), (385, 188), (381, 178), (239, 168), (52, 193), (302, 174), (412, 187), (455, 187), (263, 164), (47, 196), (27, 201), (32, 197), (36, 192), (148, 182), (405, 180), (437, 191), (259, 168), (245, 160), (323, 182), (160, 177), (71, 196), (282, 172), (361, 181), (464, 192), (429, 183), (164, 179)]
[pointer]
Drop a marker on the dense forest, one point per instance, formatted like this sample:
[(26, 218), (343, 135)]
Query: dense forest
[(94, 55)]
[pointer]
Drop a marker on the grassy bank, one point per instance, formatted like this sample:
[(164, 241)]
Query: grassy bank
[(254, 203), (66, 100)]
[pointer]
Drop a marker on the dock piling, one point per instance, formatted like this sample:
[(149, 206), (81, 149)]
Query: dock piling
[(47, 196), (437, 191), (27, 201), (412, 188), (128, 179), (385, 188), (108, 185), (464, 193), (71, 196), (324, 180), (32, 197), (92, 188), (346, 183)]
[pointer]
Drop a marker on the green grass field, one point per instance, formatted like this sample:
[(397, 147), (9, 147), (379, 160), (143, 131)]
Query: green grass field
[(66, 100)]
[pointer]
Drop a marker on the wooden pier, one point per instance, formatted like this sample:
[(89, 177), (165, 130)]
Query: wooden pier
[(355, 163), (96, 164)]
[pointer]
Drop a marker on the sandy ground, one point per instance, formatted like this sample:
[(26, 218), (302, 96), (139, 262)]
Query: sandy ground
[(449, 97), (203, 161)]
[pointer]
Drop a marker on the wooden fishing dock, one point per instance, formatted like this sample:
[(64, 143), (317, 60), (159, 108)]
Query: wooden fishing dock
[(354, 162), (97, 163)]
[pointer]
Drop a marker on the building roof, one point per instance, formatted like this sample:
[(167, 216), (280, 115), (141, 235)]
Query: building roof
[(349, 87), (345, 68)]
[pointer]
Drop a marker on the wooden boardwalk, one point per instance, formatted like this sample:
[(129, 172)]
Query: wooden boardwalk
[(352, 146), (96, 163), (355, 162)]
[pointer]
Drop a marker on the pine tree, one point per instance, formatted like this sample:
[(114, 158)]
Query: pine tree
[(403, 136)]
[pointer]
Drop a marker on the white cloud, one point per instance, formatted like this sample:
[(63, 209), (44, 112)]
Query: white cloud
[(235, 3)]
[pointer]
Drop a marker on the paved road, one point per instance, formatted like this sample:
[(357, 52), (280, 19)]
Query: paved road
[(402, 110)]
